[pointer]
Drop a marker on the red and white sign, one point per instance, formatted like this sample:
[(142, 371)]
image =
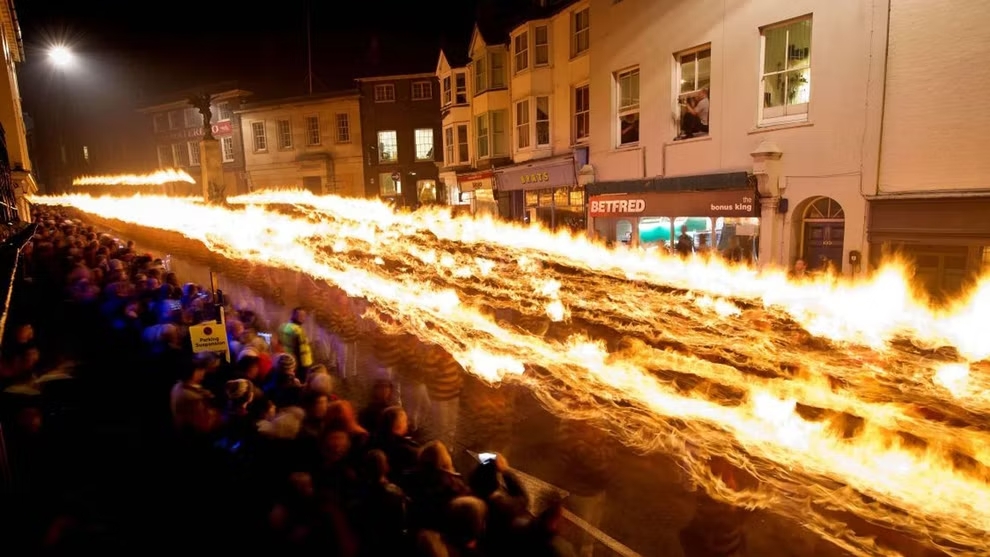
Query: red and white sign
[(219, 129), (603, 206)]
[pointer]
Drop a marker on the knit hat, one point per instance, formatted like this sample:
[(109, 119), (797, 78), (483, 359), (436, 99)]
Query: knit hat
[(248, 353), (239, 391), (286, 363)]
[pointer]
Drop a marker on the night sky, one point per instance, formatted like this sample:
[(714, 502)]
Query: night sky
[(133, 54)]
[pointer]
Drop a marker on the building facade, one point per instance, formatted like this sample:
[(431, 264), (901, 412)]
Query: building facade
[(313, 143), (17, 158), (178, 130), (705, 117), (400, 119), (932, 200)]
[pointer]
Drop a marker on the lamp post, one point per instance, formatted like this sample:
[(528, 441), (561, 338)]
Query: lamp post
[(62, 59)]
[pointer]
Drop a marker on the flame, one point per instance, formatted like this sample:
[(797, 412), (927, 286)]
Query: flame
[(157, 178), (818, 389)]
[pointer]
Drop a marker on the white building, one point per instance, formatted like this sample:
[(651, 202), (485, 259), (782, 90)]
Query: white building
[(751, 118), (932, 200), (515, 116), (12, 115)]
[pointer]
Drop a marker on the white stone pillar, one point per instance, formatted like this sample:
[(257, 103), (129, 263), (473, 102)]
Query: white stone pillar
[(771, 228), (766, 169)]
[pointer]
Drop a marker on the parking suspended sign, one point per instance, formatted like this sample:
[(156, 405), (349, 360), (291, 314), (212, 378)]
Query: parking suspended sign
[(210, 337)]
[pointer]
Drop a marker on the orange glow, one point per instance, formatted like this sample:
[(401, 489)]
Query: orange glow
[(157, 178), (760, 350)]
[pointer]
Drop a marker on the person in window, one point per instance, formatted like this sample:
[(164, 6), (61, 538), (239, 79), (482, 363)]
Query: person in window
[(685, 245), (694, 115)]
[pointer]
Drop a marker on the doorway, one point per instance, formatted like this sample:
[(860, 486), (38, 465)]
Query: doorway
[(824, 234)]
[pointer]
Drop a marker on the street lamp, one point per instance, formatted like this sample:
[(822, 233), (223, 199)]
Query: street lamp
[(60, 56)]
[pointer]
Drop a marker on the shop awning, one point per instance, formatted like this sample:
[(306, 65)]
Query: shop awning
[(701, 182), (537, 175)]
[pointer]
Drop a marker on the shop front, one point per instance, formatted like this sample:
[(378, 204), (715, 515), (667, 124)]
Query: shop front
[(946, 239), (714, 220), (544, 191), (478, 189)]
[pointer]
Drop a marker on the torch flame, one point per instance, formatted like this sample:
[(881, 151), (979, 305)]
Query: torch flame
[(157, 178)]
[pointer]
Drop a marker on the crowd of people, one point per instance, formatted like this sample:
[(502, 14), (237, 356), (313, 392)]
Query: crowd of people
[(259, 453)]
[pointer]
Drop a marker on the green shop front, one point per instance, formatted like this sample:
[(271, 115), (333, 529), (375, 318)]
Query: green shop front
[(717, 211)]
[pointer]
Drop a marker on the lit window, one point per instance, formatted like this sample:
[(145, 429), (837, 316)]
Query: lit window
[(343, 128), (424, 144), (85, 153), (284, 129), (786, 83), (541, 46), (227, 148), (582, 114), (520, 47), (627, 94), (422, 90), (388, 146), (258, 133), (313, 130), (522, 124), (426, 191), (385, 93), (388, 186), (581, 32), (694, 71)]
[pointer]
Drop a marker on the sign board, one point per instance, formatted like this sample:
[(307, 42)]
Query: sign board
[(538, 175), (208, 337), (714, 203), (219, 129), (475, 181)]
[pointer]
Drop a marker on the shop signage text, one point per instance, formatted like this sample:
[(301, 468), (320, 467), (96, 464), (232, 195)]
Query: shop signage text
[(715, 203), (607, 206), (535, 178), (220, 128)]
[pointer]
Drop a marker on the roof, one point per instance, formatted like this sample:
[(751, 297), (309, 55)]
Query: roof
[(299, 100), (398, 77), (12, 29), (180, 99)]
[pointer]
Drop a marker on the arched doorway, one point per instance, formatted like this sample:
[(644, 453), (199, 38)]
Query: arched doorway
[(824, 231)]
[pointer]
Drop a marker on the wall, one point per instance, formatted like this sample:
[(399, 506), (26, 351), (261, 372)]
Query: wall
[(338, 164), (934, 129), (403, 115)]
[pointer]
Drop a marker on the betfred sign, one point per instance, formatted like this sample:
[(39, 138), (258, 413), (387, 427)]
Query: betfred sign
[(605, 207)]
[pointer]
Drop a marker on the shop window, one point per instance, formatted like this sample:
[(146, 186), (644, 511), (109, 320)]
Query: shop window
[(387, 187), (426, 191)]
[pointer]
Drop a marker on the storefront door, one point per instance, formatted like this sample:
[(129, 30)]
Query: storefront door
[(823, 244)]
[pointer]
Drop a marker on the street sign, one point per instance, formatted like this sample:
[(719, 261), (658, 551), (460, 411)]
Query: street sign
[(208, 337)]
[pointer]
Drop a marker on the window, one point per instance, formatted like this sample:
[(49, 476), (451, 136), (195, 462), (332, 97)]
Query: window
[(463, 155), (448, 147), (627, 105), (192, 118), (284, 130), (445, 86), (542, 121), (227, 148), (522, 124), (385, 93), (193, 153), (480, 76), (498, 69), (694, 71), (387, 187), (491, 134), (223, 112), (165, 158), (582, 114), (260, 139), (422, 90), (426, 191), (541, 46), (388, 146), (460, 86), (581, 29), (175, 119), (160, 122), (181, 154), (786, 85), (520, 47), (343, 128), (86, 153), (313, 136), (423, 139)]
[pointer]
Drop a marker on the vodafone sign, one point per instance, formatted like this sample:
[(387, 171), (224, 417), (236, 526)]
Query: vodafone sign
[(602, 207)]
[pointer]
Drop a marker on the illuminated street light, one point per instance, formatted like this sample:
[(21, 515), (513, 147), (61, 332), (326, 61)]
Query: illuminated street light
[(60, 56)]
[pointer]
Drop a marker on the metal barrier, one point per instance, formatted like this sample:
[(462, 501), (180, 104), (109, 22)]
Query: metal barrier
[(8, 199), (10, 265)]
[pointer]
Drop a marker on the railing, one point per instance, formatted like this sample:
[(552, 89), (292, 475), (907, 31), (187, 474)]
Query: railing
[(8, 200)]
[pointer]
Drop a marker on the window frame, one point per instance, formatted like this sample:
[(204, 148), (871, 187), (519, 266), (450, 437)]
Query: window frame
[(381, 149), (281, 134), (396, 186), (466, 143), (176, 119), (620, 111), (384, 93), (803, 115), (577, 115), (537, 121), (520, 56), (159, 122), (447, 90), (678, 78), (178, 150), (480, 119), (425, 94), (193, 147), (493, 134), (449, 146), (523, 129), (345, 119), (262, 146), (537, 45), (162, 163), (223, 151), (431, 154), (458, 90), (576, 49), (310, 129), (222, 109), (480, 76)]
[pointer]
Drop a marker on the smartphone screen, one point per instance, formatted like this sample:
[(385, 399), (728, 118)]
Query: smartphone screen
[(487, 458)]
